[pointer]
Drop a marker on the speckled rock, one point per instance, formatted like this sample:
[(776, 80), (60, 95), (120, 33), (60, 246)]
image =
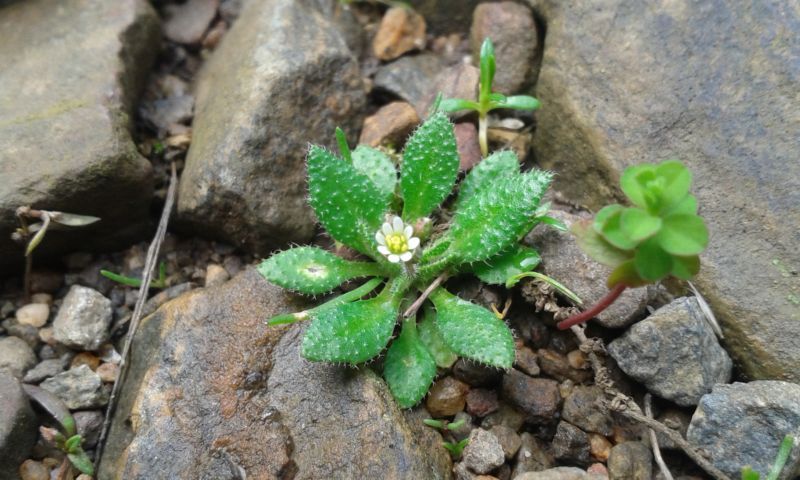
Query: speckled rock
[(538, 398), (16, 357), (17, 426), (674, 353), (743, 424), (581, 410), (410, 78), (630, 461), (44, 369), (83, 320), (446, 16), (78, 387), (564, 260), (242, 386), (390, 125), (483, 453), (281, 78), (558, 473), (571, 445), (401, 30), (706, 83), (77, 71)]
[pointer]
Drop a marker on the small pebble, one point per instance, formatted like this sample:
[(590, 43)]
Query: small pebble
[(508, 439), (401, 30), (577, 360), (481, 402), (45, 298), (33, 470), (46, 335), (33, 314), (16, 356), (599, 446), (526, 361), (107, 372), (447, 397), (215, 275), (85, 358), (109, 354), (483, 453)]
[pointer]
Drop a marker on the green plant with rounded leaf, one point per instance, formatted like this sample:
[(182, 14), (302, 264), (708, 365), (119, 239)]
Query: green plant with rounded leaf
[(364, 205), (659, 236), (487, 99)]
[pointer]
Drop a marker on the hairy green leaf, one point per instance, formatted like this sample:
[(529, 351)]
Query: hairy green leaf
[(409, 369), (430, 336), (683, 235), (497, 166), (497, 270), (346, 202), (312, 270), (495, 218), (430, 167), (352, 332), (378, 167), (472, 331)]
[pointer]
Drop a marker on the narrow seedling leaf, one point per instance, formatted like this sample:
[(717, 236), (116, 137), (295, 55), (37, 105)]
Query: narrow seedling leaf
[(72, 219), (452, 105), (81, 461), (519, 102), (472, 331), (430, 167), (409, 369), (72, 443), (311, 270)]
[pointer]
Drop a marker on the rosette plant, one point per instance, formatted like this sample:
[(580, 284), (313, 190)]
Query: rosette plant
[(361, 202), (661, 235)]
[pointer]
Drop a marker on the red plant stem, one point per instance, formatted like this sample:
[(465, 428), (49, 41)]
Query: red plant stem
[(598, 307)]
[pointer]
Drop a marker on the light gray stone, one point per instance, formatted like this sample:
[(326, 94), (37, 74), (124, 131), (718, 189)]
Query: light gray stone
[(674, 353), (16, 357), (630, 461), (17, 426), (708, 83), (483, 453), (78, 387), (281, 78), (743, 424), (83, 320), (64, 127), (44, 369)]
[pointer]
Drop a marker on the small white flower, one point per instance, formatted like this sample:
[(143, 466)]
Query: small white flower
[(395, 240)]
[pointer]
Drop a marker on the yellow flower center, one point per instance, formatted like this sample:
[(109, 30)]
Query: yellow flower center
[(397, 243)]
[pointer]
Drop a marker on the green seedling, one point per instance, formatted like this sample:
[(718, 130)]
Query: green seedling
[(488, 100), (363, 205), (455, 448), (783, 455), (661, 235), (160, 282), (32, 234), (66, 438)]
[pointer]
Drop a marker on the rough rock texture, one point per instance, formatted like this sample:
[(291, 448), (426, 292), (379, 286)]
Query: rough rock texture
[(17, 426), (571, 445), (533, 455), (188, 21), (446, 16), (674, 353), (539, 398), (208, 378), (630, 461), (411, 78), (401, 30), (563, 260), (558, 473), (83, 319), (64, 139), (78, 387), (514, 35), (710, 83), (581, 410), (391, 124), (281, 77), (743, 424), (16, 357), (483, 453)]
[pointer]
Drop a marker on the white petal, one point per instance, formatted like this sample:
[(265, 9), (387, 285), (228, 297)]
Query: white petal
[(380, 238), (408, 231), (394, 258), (413, 243), (406, 256), (383, 250), (387, 228), (397, 223)]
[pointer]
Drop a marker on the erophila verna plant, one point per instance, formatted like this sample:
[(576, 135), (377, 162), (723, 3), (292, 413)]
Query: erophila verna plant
[(661, 235), (358, 199), (488, 100)]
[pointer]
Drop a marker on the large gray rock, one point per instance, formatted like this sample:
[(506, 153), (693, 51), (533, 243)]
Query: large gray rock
[(674, 353), (281, 78), (209, 379), (17, 426), (16, 356), (64, 126), (743, 424), (83, 320), (563, 260), (709, 83)]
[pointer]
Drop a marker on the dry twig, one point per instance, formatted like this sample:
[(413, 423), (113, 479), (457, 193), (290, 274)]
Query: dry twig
[(648, 410), (147, 277)]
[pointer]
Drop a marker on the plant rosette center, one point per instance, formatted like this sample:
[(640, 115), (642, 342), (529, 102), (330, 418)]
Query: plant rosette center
[(396, 241)]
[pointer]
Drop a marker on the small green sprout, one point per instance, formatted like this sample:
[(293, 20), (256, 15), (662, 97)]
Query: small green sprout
[(659, 236), (160, 282), (363, 205), (455, 448), (783, 455), (488, 100)]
